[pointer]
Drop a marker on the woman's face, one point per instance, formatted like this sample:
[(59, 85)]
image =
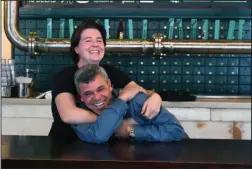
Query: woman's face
[(91, 47)]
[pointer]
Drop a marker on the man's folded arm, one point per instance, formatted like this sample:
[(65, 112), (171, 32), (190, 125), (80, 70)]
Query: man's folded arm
[(105, 125), (164, 127)]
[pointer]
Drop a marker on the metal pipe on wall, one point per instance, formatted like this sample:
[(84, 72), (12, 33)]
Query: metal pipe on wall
[(211, 47), (113, 46), (10, 25), (34, 44)]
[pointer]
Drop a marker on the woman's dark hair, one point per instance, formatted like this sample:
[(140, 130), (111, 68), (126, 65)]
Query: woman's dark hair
[(76, 36)]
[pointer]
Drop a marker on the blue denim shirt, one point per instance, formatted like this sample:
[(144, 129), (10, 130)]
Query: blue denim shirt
[(164, 127)]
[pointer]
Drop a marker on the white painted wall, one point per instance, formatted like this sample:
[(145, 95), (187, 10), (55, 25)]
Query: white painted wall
[(33, 117)]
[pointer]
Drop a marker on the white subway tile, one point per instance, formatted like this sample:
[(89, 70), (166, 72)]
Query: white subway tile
[(188, 114), (242, 131), (26, 126), (42, 111), (231, 115), (208, 130)]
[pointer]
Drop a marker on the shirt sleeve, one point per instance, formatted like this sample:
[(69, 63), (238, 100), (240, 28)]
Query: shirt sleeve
[(105, 125), (164, 127)]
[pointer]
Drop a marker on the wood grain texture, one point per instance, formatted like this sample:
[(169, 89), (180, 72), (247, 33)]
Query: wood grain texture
[(43, 152)]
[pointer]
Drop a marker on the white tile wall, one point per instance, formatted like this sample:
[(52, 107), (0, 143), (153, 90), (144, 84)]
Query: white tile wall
[(231, 115), (26, 111), (206, 123), (185, 114), (245, 129), (26, 126), (208, 130)]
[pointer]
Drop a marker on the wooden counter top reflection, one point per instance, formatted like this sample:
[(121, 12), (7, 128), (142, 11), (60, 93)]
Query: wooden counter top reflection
[(43, 152)]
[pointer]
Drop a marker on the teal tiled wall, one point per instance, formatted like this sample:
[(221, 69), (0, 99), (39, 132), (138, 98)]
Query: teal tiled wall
[(196, 73)]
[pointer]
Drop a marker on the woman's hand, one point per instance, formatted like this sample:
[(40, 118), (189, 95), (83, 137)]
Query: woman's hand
[(151, 106), (130, 91)]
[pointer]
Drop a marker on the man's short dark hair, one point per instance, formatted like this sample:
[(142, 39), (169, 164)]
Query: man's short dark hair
[(88, 73)]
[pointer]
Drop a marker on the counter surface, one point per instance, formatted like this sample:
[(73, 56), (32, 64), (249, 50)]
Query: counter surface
[(43, 152), (199, 103)]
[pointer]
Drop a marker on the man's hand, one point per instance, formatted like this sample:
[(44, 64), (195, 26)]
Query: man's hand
[(124, 130), (130, 91), (151, 106)]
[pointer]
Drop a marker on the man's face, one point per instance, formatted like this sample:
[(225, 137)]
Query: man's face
[(97, 94)]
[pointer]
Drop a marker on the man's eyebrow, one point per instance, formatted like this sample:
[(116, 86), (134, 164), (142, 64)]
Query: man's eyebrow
[(100, 87), (87, 92)]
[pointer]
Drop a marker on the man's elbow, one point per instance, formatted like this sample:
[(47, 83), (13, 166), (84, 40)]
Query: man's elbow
[(178, 133), (172, 133), (101, 139), (94, 139)]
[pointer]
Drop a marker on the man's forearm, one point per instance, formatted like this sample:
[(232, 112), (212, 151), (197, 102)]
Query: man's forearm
[(165, 127), (161, 132)]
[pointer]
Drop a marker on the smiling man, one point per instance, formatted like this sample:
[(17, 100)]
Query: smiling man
[(116, 111)]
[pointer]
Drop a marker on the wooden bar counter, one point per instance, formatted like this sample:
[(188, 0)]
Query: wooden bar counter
[(43, 152)]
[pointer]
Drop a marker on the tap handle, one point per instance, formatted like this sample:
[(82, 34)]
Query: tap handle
[(27, 70), (32, 70)]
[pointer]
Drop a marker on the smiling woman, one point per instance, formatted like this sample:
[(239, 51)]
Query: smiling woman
[(87, 47), (91, 48)]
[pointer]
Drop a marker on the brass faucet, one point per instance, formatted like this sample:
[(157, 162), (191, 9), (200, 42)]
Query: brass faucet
[(27, 71)]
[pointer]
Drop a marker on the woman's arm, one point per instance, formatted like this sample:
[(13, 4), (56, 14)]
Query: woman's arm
[(70, 113), (152, 105)]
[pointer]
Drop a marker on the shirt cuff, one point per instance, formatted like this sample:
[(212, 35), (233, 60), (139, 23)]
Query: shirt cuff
[(140, 133)]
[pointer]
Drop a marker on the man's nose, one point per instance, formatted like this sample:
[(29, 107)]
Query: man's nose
[(97, 96)]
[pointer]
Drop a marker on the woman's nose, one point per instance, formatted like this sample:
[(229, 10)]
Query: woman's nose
[(95, 43)]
